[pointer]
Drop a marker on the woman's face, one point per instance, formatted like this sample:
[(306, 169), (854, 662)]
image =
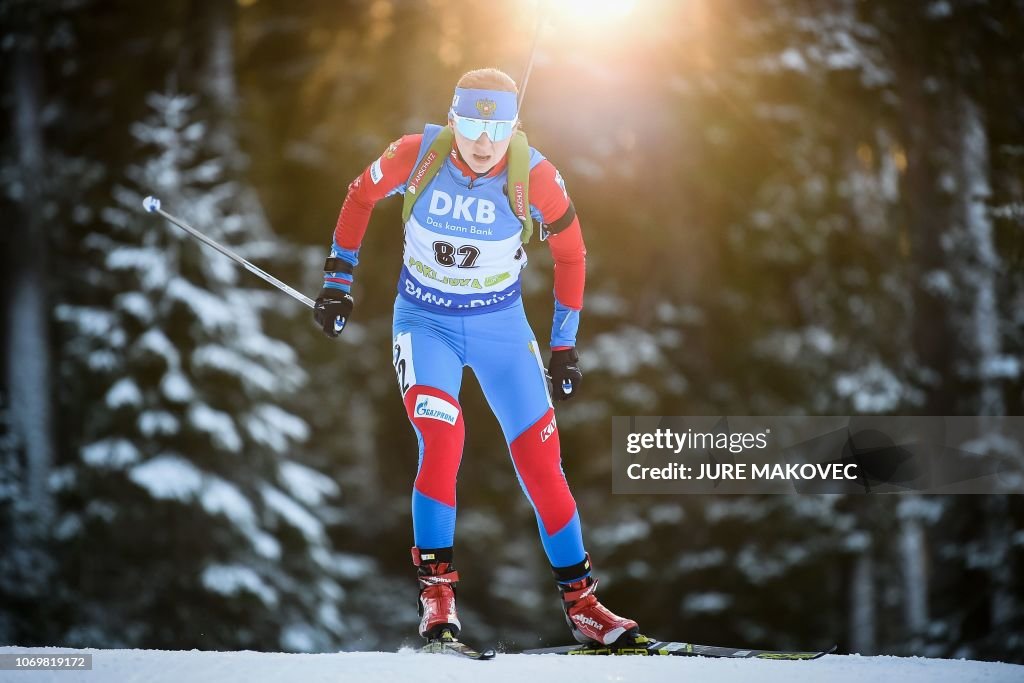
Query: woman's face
[(481, 154)]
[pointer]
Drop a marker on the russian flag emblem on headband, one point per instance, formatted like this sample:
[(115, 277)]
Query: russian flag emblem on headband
[(497, 105)]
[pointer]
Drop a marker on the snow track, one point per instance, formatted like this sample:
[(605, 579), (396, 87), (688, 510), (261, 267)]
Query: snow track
[(158, 666)]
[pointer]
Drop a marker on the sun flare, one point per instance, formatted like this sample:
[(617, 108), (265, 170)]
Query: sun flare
[(591, 13)]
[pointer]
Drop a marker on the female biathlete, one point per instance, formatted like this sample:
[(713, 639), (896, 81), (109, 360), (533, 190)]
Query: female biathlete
[(459, 304)]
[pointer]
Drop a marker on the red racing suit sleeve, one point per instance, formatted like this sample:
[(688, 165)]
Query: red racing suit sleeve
[(565, 239), (384, 177)]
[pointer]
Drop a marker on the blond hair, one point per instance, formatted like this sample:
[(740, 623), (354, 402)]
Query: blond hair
[(488, 79)]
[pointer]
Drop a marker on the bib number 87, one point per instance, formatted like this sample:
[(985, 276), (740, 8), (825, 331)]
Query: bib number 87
[(444, 253)]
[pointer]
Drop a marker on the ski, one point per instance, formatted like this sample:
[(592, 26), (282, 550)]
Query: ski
[(448, 644), (642, 645)]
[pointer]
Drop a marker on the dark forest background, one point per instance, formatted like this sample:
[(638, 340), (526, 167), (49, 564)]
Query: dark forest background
[(807, 207)]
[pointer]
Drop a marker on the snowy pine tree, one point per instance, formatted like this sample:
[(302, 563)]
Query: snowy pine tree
[(187, 471)]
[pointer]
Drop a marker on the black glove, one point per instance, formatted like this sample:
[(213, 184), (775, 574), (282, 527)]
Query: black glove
[(332, 309), (565, 374)]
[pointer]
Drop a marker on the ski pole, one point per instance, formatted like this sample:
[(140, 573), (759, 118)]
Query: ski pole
[(533, 50), (152, 205)]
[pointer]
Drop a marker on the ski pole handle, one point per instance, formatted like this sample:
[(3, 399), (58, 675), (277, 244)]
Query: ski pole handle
[(152, 205)]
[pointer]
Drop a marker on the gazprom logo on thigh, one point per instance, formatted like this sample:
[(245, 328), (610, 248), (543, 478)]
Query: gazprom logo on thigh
[(460, 208), (436, 408)]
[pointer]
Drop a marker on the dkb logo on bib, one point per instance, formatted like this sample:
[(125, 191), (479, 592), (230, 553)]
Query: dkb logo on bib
[(442, 204)]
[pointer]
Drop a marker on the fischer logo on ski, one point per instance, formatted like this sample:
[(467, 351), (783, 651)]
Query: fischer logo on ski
[(643, 646)]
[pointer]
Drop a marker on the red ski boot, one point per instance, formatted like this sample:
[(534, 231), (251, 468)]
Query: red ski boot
[(438, 579), (590, 621)]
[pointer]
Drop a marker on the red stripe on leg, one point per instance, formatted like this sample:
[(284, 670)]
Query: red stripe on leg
[(438, 417), (537, 456)]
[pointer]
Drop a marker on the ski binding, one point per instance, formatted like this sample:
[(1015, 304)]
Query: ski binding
[(447, 644)]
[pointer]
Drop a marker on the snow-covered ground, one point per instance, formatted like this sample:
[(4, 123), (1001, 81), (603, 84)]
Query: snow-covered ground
[(153, 666)]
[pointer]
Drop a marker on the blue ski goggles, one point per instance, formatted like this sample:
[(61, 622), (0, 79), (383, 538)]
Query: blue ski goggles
[(474, 128)]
